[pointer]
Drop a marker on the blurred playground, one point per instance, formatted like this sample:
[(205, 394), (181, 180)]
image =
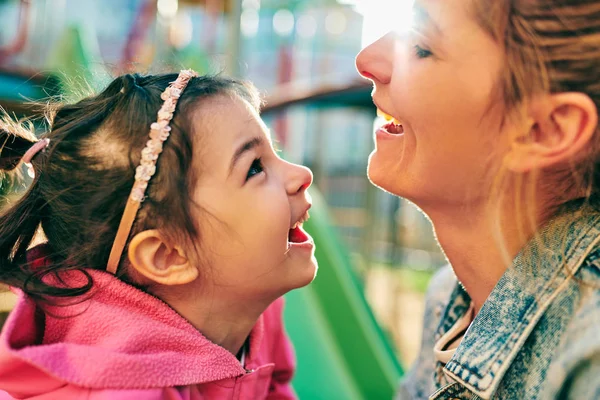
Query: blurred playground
[(376, 252)]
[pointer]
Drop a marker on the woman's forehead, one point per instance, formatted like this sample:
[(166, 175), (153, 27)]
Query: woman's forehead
[(438, 14)]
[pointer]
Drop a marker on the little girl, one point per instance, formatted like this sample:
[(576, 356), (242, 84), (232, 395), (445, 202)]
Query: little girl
[(169, 229), (493, 133)]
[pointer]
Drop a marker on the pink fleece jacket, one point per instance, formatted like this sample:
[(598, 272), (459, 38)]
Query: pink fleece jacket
[(126, 344)]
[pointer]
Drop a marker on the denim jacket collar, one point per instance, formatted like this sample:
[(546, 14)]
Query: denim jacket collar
[(518, 301)]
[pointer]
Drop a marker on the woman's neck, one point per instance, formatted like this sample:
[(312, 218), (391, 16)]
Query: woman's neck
[(480, 244)]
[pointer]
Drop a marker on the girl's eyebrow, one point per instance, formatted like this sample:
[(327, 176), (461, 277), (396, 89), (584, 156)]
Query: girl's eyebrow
[(245, 147)]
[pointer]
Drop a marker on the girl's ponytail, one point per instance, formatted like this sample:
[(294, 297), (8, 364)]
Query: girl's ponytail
[(19, 222)]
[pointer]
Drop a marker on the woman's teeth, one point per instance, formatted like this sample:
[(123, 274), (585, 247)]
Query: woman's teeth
[(388, 117), (393, 126)]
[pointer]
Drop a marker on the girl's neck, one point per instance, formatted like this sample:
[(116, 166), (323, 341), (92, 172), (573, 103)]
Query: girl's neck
[(480, 243), (227, 323)]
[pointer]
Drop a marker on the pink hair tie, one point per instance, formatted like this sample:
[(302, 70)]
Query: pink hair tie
[(33, 150)]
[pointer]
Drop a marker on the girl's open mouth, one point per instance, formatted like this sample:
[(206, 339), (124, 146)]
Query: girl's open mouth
[(297, 237)]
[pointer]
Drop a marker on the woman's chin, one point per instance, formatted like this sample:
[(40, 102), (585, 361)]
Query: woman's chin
[(390, 180), (380, 176)]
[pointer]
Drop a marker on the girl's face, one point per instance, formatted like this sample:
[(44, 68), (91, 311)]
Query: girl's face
[(439, 82), (250, 198)]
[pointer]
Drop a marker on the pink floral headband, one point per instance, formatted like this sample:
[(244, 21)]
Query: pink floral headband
[(159, 132)]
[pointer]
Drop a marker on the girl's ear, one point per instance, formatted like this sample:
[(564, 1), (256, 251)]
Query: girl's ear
[(559, 128), (152, 256)]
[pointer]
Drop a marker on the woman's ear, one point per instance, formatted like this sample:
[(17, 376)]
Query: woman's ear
[(559, 128), (153, 257)]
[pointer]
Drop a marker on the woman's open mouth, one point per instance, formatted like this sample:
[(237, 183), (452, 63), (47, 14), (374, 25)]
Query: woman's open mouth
[(392, 126)]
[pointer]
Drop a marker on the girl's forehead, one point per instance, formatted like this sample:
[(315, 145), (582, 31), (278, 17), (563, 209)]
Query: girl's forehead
[(219, 115), (221, 125)]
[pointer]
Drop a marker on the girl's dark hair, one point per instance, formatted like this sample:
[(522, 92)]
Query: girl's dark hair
[(83, 179)]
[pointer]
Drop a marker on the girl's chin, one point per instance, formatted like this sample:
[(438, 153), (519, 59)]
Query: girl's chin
[(304, 274)]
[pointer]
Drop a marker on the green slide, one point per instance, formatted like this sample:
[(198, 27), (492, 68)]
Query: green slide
[(341, 351)]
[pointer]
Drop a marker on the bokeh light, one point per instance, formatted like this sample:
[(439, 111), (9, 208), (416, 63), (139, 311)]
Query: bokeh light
[(383, 16), (249, 22), (306, 26), (181, 30), (283, 22), (336, 22), (167, 8)]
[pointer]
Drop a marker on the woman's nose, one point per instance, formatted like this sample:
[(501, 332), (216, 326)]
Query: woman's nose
[(299, 179), (375, 62)]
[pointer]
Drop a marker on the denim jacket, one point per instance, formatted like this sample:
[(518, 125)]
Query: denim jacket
[(538, 334)]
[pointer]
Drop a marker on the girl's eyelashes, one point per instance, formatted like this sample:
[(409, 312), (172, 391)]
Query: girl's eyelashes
[(422, 52), (255, 169)]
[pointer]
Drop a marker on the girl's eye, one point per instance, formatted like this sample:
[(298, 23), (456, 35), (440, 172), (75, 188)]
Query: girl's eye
[(255, 169), (421, 52)]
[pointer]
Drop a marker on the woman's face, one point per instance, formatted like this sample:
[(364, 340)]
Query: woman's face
[(440, 82)]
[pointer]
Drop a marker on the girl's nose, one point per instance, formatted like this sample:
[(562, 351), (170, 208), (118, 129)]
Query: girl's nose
[(299, 179), (375, 62)]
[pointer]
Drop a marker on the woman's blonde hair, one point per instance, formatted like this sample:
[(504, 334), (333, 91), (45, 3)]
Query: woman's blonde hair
[(550, 46)]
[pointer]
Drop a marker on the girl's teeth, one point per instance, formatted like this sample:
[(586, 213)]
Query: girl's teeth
[(302, 220)]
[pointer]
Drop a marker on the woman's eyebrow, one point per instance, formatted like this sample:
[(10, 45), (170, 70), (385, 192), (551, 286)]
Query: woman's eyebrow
[(422, 19)]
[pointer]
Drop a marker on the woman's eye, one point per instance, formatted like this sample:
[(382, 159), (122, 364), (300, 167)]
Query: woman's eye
[(255, 169), (421, 52)]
